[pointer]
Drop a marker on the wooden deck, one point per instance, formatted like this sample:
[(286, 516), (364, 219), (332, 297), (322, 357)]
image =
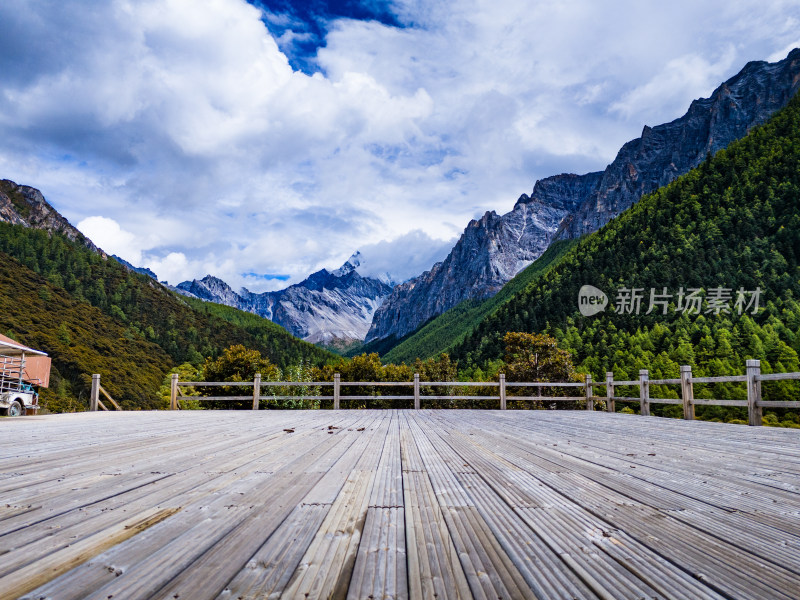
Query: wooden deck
[(396, 504)]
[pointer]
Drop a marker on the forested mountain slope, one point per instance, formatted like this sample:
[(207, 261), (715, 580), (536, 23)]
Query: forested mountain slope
[(732, 223), (121, 324), (495, 247), (80, 339), (442, 333)]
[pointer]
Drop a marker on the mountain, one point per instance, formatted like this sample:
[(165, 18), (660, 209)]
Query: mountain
[(60, 294), (130, 267), (26, 206), (490, 252), (332, 308), (730, 227), (80, 339), (495, 248), (664, 152), (328, 307), (444, 332)]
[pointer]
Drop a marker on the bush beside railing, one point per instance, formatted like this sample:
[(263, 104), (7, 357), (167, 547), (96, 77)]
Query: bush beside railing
[(752, 378)]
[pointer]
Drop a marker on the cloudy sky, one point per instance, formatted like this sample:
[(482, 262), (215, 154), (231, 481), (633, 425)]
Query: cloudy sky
[(260, 141)]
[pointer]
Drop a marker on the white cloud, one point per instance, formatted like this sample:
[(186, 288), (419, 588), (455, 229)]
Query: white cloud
[(108, 235), (404, 257), (667, 91), (781, 54), (182, 124), (171, 267)]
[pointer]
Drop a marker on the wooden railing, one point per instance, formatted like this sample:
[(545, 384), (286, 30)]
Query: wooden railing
[(94, 396), (752, 378), (337, 384)]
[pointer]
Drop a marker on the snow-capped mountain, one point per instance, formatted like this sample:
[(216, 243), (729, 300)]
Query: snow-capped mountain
[(328, 307)]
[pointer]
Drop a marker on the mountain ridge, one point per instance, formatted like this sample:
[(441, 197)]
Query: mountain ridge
[(567, 206), (644, 164), (26, 206), (731, 223), (93, 315), (327, 307)]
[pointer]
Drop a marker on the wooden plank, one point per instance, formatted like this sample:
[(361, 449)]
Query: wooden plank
[(270, 569), (256, 390), (687, 392), (460, 504), (434, 568), (34, 574), (563, 533), (267, 573), (174, 391), (754, 404), (327, 566), (589, 396), (569, 532), (380, 568), (718, 379), (729, 579), (263, 508), (490, 572), (644, 393), (778, 376), (152, 562), (94, 395)]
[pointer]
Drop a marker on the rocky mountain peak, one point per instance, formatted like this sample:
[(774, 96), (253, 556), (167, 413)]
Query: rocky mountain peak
[(349, 266), (664, 152), (130, 267), (330, 307), (26, 206), (211, 289), (494, 248)]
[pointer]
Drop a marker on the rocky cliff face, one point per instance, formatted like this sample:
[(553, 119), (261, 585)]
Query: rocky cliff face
[(489, 253), (495, 248), (328, 307), (667, 151), (130, 267), (26, 206)]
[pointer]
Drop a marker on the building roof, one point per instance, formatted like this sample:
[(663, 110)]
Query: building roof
[(11, 348)]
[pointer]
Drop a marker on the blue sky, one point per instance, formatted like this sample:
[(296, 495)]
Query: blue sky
[(301, 27), (258, 139)]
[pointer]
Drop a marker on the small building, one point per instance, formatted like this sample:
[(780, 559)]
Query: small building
[(22, 371)]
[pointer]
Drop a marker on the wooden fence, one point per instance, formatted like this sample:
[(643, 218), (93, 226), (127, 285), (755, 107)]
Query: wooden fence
[(752, 378), (94, 396)]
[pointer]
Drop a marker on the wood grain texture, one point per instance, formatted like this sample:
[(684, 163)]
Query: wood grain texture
[(235, 505)]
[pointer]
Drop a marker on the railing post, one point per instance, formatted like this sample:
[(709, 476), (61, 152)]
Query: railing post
[(687, 392), (256, 390), (173, 392), (588, 392), (416, 391), (94, 398), (502, 391), (336, 381), (610, 407), (753, 392), (644, 393)]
